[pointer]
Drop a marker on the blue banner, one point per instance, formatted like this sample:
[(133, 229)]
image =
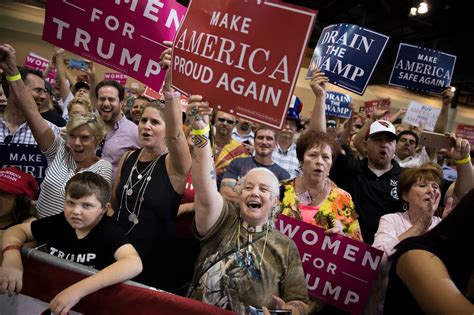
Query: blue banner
[(337, 105), (348, 54), (26, 157), (422, 69)]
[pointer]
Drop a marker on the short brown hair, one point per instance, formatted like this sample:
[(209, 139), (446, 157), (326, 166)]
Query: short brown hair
[(426, 172), (311, 139), (87, 184), (259, 128)]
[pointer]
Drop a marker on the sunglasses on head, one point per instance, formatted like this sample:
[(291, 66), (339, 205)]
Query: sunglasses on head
[(223, 120)]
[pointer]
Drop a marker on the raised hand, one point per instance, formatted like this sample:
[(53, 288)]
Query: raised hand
[(318, 83), (460, 148), (198, 112), (8, 60)]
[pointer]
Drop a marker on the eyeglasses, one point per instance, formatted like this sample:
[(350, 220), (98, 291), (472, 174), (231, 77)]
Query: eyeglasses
[(405, 140), (100, 148), (223, 120), (8, 139)]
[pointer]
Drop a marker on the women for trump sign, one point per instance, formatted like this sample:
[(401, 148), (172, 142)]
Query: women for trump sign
[(338, 270)]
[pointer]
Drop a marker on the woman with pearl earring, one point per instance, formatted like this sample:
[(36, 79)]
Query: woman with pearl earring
[(244, 261), (150, 183)]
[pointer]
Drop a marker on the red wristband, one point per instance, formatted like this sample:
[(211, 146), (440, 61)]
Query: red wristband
[(11, 247)]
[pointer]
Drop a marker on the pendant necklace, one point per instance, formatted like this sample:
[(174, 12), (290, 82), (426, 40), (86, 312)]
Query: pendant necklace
[(143, 178)]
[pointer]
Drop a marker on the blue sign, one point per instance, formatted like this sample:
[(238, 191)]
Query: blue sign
[(348, 54), (26, 157), (422, 69), (337, 104)]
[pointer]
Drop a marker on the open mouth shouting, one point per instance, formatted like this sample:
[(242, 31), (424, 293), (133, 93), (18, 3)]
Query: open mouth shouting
[(255, 205)]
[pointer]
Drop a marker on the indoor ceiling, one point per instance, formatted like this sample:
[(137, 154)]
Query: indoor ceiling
[(445, 27)]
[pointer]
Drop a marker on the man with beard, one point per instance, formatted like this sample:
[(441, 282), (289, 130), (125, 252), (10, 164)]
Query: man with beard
[(265, 142), (122, 134), (13, 126), (285, 151), (226, 148), (243, 134)]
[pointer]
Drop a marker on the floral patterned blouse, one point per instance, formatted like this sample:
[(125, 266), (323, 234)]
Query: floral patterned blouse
[(338, 206)]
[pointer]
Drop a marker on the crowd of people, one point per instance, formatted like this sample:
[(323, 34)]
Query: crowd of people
[(133, 185)]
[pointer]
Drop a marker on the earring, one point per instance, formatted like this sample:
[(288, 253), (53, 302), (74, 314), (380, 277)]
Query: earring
[(405, 206)]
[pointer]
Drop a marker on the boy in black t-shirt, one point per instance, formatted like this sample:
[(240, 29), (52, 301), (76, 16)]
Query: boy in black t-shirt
[(81, 234)]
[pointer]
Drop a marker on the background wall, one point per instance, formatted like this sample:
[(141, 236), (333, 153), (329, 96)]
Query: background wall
[(22, 26)]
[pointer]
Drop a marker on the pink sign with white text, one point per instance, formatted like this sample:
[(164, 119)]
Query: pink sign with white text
[(34, 61), (126, 36), (338, 270), (119, 77), (242, 56)]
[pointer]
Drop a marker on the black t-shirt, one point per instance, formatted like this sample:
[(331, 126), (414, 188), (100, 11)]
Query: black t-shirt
[(95, 250), (373, 196), (54, 118)]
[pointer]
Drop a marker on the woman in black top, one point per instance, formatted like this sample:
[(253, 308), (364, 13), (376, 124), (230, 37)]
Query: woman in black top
[(430, 273)]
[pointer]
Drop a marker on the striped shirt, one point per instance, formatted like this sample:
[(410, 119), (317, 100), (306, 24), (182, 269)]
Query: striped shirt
[(23, 134), (61, 167), (287, 159)]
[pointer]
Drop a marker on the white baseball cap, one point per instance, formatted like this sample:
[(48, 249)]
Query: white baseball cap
[(379, 126)]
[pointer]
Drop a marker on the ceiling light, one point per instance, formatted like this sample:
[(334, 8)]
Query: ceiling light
[(423, 8), (413, 11), (453, 89)]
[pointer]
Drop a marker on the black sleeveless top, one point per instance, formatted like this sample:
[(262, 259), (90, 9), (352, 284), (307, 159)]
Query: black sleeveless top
[(156, 227), (398, 299)]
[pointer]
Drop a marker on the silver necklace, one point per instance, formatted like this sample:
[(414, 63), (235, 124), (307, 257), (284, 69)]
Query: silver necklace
[(143, 179)]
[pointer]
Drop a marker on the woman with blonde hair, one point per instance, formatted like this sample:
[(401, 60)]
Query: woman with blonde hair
[(79, 105), (65, 157)]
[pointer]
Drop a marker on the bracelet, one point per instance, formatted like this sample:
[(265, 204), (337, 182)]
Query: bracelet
[(13, 78), (170, 95), (201, 132), (200, 141), (11, 247), (463, 161)]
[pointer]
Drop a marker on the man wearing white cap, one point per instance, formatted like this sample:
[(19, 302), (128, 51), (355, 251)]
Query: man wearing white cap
[(372, 182)]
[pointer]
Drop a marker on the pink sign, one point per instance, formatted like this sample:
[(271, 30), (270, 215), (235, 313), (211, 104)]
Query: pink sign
[(125, 35), (242, 56), (119, 77), (338, 270), (34, 61), (466, 132)]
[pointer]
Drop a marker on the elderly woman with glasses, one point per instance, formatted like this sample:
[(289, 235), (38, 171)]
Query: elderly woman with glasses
[(65, 158)]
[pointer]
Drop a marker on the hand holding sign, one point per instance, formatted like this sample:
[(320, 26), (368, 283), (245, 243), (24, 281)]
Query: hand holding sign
[(8, 60), (165, 63), (198, 112), (318, 83)]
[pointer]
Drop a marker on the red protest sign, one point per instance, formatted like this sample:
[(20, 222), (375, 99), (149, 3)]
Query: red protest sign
[(370, 105), (154, 95), (242, 56), (466, 132), (338, 270), (125, 35)]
